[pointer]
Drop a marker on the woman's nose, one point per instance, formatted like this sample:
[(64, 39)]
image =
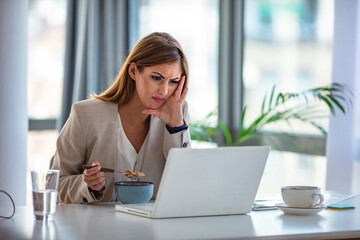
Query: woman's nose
[(163, 89)]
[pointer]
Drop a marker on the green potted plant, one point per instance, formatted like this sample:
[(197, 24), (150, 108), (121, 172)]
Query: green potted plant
[(278, 107)]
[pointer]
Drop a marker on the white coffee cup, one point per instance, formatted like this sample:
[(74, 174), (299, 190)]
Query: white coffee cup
[(302, 196)]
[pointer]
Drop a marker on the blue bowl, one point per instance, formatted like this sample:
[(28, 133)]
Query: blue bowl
[(134, 192)]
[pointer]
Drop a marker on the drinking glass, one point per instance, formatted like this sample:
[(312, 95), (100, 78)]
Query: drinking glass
[(44, 188)]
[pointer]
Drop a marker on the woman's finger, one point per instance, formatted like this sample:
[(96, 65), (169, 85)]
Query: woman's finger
[(96, 184), (180, 87), (154, 112), (97, 187), (94, 176), (93, 170), (97, 181), (183, 96)]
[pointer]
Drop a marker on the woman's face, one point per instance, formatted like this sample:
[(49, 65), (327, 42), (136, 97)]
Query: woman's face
[(154, 85)]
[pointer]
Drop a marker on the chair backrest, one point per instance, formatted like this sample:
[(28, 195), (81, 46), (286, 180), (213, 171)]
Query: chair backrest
[(51, 162)]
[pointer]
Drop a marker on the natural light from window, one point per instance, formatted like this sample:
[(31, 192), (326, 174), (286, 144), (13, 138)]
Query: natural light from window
[(288, 44), (195, 24), (46, 48)]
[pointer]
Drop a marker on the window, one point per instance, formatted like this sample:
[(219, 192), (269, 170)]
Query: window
[(195, 24), (46, 49), (287, 44)]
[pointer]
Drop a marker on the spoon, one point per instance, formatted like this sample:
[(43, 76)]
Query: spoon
[(102, 169), (128, 173)]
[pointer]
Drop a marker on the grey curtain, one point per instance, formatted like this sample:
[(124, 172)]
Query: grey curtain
[(97, 43), (230, 63)]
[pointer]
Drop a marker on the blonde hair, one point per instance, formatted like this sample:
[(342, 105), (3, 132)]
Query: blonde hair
[(156, 48)]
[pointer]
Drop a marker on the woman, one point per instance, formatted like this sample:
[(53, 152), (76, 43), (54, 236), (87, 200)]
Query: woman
[(132, 125)]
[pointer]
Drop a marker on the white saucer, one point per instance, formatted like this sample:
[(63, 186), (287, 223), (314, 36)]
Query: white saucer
[(299, 211)]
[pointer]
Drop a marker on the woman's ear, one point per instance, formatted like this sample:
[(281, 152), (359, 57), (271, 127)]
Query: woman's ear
[(133, 71)]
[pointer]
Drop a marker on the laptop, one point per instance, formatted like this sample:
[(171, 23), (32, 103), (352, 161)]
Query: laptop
[(205, 182)]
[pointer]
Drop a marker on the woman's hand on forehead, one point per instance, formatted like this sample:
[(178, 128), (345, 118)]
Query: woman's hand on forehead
[(171, 111)]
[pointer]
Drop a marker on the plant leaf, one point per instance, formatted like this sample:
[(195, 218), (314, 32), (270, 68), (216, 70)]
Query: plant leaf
[(243, 120), (263, 105), (271, 98), (337, 103), (226, 132), (321, 97)]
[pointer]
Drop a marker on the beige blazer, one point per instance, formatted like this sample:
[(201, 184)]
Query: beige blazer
[(94, 132)]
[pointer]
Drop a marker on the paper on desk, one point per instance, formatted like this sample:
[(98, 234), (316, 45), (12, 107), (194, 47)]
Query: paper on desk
[(339, 207), (260, 205), (332, 197)]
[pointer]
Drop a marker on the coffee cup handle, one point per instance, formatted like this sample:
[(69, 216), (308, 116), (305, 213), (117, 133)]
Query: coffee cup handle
[(321, 197)]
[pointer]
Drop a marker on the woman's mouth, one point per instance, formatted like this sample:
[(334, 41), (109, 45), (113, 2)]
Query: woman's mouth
[(158, 100)]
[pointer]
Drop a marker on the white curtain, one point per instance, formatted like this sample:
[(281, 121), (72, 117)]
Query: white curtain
[(343, 143)]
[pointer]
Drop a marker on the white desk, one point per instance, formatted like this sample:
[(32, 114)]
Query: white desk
[(76, 221)]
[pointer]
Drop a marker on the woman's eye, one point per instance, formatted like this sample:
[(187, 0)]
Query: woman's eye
[(156, 78), (175, 82)]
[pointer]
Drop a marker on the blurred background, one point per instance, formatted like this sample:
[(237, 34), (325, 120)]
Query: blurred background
[(283, 43)]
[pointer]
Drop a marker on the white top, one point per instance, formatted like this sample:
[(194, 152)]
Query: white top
[(130, 159)]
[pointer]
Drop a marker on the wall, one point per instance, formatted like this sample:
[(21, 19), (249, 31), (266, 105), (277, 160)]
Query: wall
[(13, 100)]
